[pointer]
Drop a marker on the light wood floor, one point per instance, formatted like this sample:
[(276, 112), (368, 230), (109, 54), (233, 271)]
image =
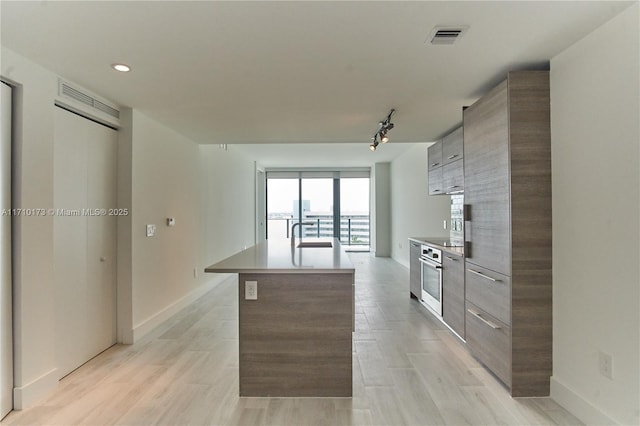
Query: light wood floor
[(408, 370)]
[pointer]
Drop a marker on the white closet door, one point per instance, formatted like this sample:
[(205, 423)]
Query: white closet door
[(101, 237), (6, 324), (84, 245)]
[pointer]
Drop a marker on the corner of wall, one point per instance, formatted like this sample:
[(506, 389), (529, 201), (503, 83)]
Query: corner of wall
[(414, 213), (596, 182), (146, 326), (124, 239), (32, 163), (576, 404), (27, 395)]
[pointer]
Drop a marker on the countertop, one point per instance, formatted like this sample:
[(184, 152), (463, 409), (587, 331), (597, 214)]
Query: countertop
[(439, 243), (275, 256)]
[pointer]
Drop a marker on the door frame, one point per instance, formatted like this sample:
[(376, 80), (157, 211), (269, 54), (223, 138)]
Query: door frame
[(6, 268)]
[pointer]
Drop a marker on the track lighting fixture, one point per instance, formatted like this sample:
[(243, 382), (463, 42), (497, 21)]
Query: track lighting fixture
[(383, 129)]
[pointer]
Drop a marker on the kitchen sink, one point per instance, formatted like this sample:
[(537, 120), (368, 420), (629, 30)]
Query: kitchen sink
[(315, 244)]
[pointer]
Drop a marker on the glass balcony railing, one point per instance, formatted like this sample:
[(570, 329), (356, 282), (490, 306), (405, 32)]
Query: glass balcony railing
[(354, 229)]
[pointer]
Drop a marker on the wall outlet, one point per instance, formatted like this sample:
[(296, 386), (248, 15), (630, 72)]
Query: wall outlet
[(444, 223), (151, 230), (251, 290), (605, 365), (400, 245)]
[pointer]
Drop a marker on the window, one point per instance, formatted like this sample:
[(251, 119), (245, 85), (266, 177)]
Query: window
[(320, 199)]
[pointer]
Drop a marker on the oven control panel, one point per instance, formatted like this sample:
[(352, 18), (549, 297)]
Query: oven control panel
[(432, 253)]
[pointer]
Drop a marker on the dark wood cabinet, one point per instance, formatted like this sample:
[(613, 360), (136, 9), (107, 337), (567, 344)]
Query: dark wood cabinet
[(434, 167), (490, 341), (453, 289), (453, 177), (452, 146), (508, 276), (486, 171), (435, 183), (446, 172), (489, 291), (415, 287), (434, 156)]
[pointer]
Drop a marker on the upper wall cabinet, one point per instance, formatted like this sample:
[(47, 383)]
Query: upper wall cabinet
[(434, 155), (434, 166), (452, 146), (436, 181), (446, 175)]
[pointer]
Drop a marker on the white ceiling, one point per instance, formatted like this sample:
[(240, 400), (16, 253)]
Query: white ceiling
[(295, 72), (322, 154)]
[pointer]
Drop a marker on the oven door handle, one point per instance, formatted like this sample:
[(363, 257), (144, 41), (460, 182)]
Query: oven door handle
[(434, 265)]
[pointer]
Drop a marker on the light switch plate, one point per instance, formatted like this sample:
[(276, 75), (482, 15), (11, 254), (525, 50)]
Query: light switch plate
[(151, 230), (251, 290)]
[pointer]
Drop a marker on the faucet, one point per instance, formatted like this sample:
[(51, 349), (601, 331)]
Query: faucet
[(293, 234)]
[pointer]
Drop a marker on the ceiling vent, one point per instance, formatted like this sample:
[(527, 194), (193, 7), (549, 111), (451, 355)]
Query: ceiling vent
[(86, 103), (447, 35)]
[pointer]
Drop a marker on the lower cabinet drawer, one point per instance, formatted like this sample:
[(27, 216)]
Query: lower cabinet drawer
[(490, 341), (489, 291)]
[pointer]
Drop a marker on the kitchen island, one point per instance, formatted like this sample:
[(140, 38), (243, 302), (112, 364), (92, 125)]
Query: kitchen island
[(295, 319)]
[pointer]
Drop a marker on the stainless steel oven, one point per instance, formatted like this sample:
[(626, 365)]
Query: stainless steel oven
[(431, 274)]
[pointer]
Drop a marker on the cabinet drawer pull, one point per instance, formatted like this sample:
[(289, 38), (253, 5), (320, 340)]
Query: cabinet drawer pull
[(484, 276), (435, 164), (487, 322), (454, 187), (451, 157), (451, 258)]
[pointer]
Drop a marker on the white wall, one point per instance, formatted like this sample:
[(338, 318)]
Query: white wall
[(228, 202), (381, 211), (165, 183), (34, 316), (209, 192), (161, 174), (413, 212), (596, 246)]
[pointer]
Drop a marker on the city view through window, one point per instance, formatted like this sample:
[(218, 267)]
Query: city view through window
[(312, 201)]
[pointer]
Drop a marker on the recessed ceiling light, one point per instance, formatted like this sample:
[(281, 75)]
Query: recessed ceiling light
[(121, 67)]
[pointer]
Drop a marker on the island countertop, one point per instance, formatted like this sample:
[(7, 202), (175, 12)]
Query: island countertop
[(276, 257)]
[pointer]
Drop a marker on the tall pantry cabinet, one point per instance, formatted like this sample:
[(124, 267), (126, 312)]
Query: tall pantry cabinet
[(507, 171)]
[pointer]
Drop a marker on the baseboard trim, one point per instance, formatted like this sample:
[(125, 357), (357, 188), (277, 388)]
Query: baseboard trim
[(402, 262), (577, 405), (27, 395), (146, 326)]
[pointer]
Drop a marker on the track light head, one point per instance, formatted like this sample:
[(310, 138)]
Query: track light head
[(383, 127), (375, 143)]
